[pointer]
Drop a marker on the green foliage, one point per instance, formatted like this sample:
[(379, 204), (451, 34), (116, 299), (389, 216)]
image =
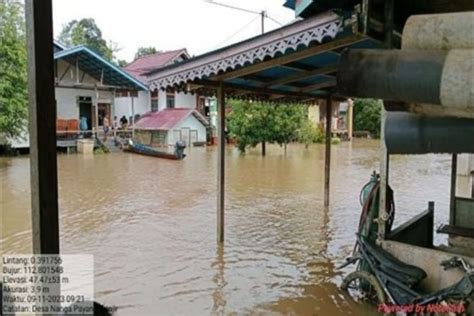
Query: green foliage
[(144, 51), (99, 151), (86, 32), (367, 116), (335, 140), (13, 79), (310, 133), (251, 123), (122, 62)]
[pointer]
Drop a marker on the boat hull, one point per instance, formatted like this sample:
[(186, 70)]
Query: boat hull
[(148, 151)]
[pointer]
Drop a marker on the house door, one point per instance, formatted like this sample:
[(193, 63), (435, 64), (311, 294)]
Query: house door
[(104, 111), (85, 110), (193, 136), (185, 135)]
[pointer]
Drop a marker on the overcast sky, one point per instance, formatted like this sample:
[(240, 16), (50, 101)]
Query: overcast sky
[(167, 25)]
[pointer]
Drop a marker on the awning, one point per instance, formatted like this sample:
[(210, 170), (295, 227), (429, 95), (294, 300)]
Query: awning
[(296, 61), (99, 68)]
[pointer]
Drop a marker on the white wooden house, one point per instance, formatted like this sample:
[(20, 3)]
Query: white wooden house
[(85, 87), (165, 127)]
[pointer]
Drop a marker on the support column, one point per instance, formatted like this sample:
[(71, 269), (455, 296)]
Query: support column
[(350, 118), (472, 185), (327, 157), (96, 125), (384, 167), (220, 162), (452, 200), (133, 117), (384, 155), (42, 121), (389, 7)]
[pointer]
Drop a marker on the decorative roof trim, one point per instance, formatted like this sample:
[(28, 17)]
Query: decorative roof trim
[(280, 41)]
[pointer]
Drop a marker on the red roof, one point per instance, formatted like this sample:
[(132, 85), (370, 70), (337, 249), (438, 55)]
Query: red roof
[(167, 119), (142, 65)]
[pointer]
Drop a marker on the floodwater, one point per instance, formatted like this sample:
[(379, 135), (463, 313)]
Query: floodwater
[(151, 225)]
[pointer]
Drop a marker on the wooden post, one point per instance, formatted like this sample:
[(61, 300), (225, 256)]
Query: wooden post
[(133, 117), (472, 185), (42, 121), (96, 110), (220, 162), (384, 154), (452, 199), (384, 171), (388, 25), (327, 158), (350, 118), (113, 115), (365, 16)]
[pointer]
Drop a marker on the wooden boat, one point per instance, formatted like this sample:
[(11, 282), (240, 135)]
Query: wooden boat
[(149, 151)]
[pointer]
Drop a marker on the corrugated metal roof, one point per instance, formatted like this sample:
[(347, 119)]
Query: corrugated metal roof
[(139, 67), (97, 66), (167, 119)]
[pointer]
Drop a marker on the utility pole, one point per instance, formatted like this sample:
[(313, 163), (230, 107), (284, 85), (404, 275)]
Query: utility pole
[(263, 14)]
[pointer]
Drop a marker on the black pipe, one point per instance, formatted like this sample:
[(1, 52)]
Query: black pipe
[(408, 75), (407, 133)]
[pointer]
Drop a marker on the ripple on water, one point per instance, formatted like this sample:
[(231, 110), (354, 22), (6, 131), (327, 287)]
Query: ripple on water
[(150, 224)]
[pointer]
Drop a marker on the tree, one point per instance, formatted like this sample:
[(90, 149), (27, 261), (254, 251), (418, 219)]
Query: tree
[(13, 79), (122, 63), (310, 133), (144, 51), (86, 32), (253, 123), (287, 120), (367, 116)]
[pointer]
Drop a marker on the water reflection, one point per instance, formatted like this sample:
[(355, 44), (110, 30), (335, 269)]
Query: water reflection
[(218, 295), (150, 225)]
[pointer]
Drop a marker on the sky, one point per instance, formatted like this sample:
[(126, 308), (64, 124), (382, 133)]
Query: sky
[(167, 25)]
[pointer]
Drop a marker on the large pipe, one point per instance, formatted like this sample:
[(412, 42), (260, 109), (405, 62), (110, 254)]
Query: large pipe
[(433, 77), (429, 109), (439, 31), (407, 133)]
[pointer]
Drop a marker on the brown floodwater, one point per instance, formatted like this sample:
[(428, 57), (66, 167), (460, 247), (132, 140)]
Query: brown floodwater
[(151, 225)]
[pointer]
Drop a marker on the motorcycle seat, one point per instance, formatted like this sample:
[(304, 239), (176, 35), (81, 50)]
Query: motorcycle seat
[(406, 273)]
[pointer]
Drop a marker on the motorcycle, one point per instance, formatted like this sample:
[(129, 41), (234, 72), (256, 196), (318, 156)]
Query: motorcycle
[(386, 280)]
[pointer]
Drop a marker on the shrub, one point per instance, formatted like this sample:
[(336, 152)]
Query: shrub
[(367, 116)]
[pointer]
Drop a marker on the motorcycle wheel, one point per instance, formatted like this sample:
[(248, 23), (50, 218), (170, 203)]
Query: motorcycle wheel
[(363, 287)]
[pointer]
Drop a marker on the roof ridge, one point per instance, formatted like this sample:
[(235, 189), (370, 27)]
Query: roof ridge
[(158, 53)]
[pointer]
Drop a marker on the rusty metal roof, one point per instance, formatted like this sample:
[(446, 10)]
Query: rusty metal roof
[(167, 119)]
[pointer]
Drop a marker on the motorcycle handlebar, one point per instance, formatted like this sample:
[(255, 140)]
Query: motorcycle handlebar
[(456, 262), (349, 261)]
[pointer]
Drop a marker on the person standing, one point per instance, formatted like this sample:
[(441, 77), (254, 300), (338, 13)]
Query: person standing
[(83, 126), (124, 122), (105, 126)]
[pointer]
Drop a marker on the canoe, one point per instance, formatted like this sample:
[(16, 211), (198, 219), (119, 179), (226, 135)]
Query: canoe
[(149, 151)]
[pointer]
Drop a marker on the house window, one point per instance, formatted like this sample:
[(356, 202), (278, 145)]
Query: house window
[(159, 137), (126, 93), (154, 100), (121, 93), (170, 101), (154, 105)]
